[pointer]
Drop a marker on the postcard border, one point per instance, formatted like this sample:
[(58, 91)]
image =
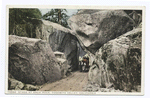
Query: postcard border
[(143, 8)]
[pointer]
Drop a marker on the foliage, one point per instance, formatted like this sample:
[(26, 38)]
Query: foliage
[(57, 16), (19, 24)]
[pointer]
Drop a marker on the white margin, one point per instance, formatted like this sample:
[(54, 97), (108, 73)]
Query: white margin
[(143, 8)]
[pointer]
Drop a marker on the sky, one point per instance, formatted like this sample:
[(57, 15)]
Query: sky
[(69, 11)]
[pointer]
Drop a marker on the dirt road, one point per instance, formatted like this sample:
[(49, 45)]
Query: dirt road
[(74, 82)]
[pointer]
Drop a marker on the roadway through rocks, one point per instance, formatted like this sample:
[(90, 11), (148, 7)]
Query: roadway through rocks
[(75, 82)]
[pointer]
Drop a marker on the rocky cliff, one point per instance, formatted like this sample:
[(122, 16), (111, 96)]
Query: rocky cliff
[(94, 28), (118, 63), (61, 39), (32, 61)]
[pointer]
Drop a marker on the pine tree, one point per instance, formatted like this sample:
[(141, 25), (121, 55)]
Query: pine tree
[(57, 16), (19, 24)]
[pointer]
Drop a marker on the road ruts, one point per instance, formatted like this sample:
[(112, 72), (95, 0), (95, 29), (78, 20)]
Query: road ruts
[(74, 82)]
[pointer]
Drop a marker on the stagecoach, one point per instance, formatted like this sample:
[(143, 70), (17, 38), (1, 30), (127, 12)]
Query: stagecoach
[(84, 64)]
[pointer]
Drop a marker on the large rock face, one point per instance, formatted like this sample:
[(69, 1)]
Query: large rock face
[(118, 63), (45, 28), (67, 44), (61, 39), (94, 28), (32, 61)]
